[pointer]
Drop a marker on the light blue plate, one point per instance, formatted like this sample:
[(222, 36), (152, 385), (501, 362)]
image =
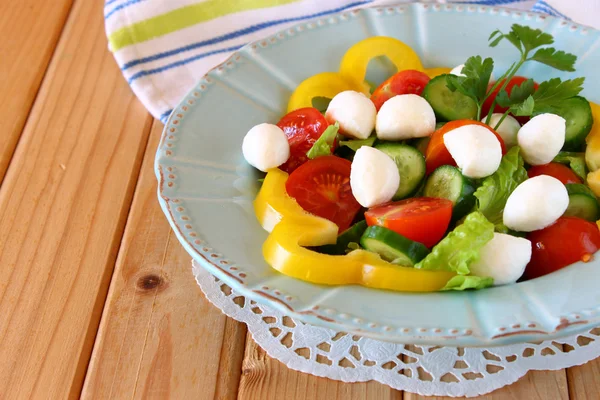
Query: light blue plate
[(206, 188)]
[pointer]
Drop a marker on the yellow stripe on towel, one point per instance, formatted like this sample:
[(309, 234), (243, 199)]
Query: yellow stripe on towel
[(184, 17)]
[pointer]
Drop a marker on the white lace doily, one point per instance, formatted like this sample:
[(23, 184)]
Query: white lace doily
[(426, 370)]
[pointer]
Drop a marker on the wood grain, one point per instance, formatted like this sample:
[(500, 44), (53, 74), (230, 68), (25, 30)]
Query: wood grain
[(536, 385), (63, 207), (265, 378), (29, 30), (159, 337), (64, 204), (584, 381)]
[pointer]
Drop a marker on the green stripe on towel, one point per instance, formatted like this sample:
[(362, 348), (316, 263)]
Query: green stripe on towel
[(182, 18)]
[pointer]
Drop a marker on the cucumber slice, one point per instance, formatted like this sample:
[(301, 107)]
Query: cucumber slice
[(392, 246), (447, 182), (422, 143), (448, 105), (582, 202), (411, 165), (350, 235), (578, 114)]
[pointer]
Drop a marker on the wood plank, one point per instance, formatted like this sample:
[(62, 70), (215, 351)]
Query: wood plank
[(536, 385), (159, 337), (29, 30), (63, 207), (584, 381), (266, 378)]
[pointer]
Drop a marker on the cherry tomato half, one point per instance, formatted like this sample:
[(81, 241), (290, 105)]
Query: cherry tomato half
[(322, 187), (514, 81), (409, 81), (555, 170), (437, 155), (302, 128), (422, 219), (568, 240)]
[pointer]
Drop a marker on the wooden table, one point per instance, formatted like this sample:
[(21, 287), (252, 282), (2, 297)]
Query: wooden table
[(97, 298)]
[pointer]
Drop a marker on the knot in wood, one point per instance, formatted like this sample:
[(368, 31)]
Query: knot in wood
[(149, 282)]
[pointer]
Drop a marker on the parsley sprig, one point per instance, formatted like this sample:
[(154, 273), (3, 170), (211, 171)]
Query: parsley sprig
[(523, 100)]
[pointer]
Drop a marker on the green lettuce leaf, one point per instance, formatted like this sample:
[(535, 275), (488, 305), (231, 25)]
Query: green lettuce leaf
[(575, 160), (322, 146), (461, 282), (460, 248), (495, 189), (357, 144)]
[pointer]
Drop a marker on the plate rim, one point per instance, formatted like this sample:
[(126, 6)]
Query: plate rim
[(216, 264)]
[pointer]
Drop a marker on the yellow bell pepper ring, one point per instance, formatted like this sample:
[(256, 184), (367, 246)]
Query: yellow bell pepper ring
[(354, 63), (592, 151), (433, 72), (593, 181), (325, 84), (292, 228)]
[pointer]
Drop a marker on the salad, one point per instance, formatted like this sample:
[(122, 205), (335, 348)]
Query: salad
[(435, 179)]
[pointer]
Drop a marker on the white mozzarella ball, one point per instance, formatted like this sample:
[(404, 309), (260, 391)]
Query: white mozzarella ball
[(542, 138), (475, 149), (404, 117), (458, 72), (374, 177), (503, 258), (507, 130), (535, 204), (355, 113), (265, 146)]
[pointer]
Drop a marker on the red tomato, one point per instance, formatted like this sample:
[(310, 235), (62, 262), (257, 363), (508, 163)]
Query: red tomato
[(555, 170), (422, 219), (568, 240), (408, 81), (302, 128), (437, 155), (514, 81), (322, 187)]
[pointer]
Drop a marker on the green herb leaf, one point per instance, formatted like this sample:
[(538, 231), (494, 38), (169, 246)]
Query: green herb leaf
[(531, 38), (357, 144), (518, 94), (524, 109), (555, 58), (479, 72), (497, 36), (514, 39), (575, 160), (495, 189), (460, 248), (474, 84), (526, 39), (495, 33), (550, 94), (495, 42), (462, 282), (322, 146)]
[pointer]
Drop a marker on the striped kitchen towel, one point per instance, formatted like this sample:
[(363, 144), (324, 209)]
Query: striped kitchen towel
[(164, 47)]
